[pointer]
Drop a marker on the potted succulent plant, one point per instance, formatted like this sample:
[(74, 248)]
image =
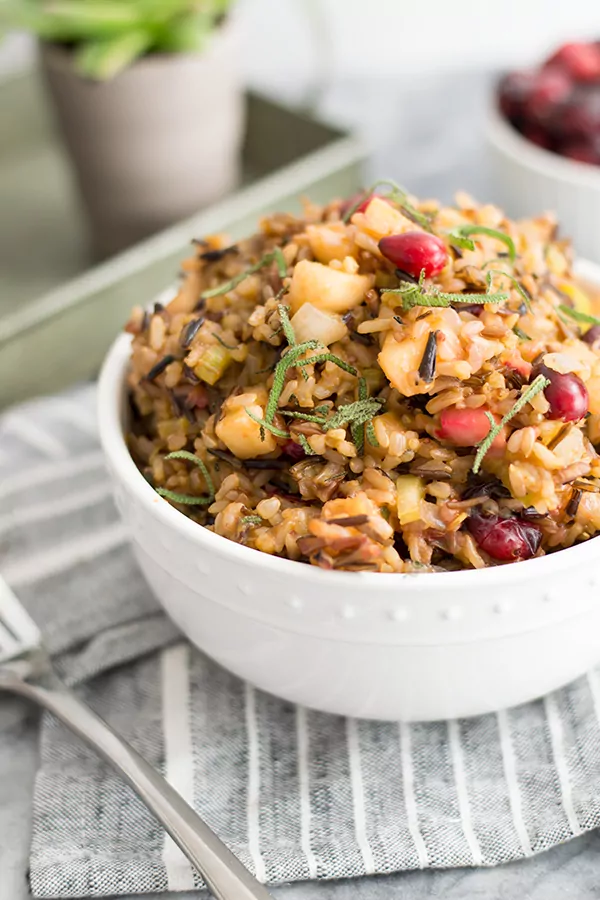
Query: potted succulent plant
[(149, 101)]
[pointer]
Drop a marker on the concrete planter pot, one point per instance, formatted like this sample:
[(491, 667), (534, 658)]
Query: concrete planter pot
[(155, 144)]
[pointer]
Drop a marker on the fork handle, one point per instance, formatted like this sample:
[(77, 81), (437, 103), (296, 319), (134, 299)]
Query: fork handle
[(224, 874)]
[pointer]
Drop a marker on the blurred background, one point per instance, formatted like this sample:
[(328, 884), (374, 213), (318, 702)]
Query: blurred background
[(122, 118)]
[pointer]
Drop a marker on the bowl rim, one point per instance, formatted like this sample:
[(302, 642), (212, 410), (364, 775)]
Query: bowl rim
[(123, 468), (511, 142)]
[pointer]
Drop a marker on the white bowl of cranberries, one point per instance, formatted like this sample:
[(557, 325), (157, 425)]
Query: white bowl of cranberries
[(544, 138)]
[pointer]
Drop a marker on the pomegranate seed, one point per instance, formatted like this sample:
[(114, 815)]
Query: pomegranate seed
[(467, 427), (581, 61), (293, 450), (506, 540), (592, 335), (567, 394), (414, 252)]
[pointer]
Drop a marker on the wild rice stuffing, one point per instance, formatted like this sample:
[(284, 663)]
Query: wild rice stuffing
[(380, 384)]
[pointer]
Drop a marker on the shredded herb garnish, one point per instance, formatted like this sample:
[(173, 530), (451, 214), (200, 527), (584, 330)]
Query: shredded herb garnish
[(306, 417), (251, 520), (398, 195), (357, 413), (278, 432), (521, 334), (534, 388), (281, 368), (517, 284), (185, 499), (327, 357), (191, 457), (275, 256), (465, 231), (223, 344), (288, 330), (578, 316), (416, 295), (303, 441)]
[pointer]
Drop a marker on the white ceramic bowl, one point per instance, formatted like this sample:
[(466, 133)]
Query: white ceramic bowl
[(402, 647), (528, 179)]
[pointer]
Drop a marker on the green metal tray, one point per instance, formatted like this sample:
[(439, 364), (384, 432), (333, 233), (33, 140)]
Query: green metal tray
[(57, 319)]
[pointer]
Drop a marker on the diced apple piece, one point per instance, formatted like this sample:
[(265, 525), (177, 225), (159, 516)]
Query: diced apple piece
[(381, 219), (238, 431), (311, 323), (331, 290), (330, 241), (400, 360), (411, 492)]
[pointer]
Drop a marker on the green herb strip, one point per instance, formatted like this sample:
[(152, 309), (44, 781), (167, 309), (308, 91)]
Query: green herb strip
[(275, 256), (521, 334), (303, 441), (465, 231), (534, 388), (251, 520), (278, 432), (358, 413), (414, 295), (397, 196), (519, 287), (187, 498), (578, 316)]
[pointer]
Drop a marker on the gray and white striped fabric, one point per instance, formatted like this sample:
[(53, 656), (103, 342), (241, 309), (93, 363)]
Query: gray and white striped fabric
[(295, 793)]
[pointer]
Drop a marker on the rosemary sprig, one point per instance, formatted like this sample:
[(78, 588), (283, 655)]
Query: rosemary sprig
[(518, 286), (306, 417), (191, 457), (223, 344), (288, 330), (303, 441), (415, 295), (290, 359), (578, 316), (462, 232), (357, 413), (398, 196), (251, 520), (275, 256), (184, 499), (328, 357), (521, 334), (278, 432), (539, 384)]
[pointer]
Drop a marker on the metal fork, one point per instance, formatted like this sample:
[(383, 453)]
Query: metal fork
[(25, 669)]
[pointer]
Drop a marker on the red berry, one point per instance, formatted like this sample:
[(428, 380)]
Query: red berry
[(552, 87), (537, 135), (506, 540), (467, 427), (415, 252), (592, 335), (567, 394), (293, 450), (581, 61)]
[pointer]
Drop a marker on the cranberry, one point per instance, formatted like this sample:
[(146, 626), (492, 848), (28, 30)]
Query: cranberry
[(551, 89), (581, 61), (506, 540), (414, 252), (580, 118), (592, 335), (567, 394), (467, 427), (537, 136), (293, 450)]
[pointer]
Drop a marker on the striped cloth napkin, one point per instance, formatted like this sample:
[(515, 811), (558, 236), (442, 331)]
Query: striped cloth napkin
[(296, 794)]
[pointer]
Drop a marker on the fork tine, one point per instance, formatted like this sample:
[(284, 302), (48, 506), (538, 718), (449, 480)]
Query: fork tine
[(14, 620)]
